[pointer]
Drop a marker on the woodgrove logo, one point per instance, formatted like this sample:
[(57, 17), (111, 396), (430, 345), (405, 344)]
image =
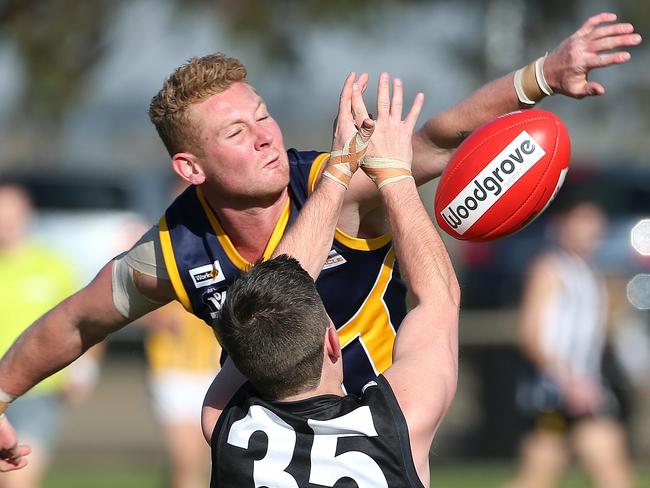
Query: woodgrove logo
[(498, 176)]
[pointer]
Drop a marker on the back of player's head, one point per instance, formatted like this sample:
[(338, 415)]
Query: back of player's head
[(577, 222), (190, 83), (273, 325)]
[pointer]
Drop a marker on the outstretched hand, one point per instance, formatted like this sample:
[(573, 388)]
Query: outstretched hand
[(393, 135), (349, 119), (390, 151), (351, 133), (12, 455), (567, 67)]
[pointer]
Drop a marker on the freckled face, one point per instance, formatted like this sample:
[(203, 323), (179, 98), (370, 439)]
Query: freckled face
[(243, 151)]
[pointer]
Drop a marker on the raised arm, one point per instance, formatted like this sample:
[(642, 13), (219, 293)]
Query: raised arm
[(425, 355), (564, 71), (309, 239)]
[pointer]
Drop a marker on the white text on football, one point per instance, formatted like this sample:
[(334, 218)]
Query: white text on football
[(498, 176)]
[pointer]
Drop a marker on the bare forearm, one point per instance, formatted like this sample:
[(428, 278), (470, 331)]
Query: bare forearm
[(426, 345), (47, 346), (564, 71), (424, 261), (434, 142), (448, 129), (32, 357), (309, 239)]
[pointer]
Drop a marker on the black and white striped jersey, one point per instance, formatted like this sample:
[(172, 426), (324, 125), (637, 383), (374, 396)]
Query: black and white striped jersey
[(573, 328)]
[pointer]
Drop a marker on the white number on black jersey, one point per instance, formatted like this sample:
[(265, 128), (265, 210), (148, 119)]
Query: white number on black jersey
[(326, 467)]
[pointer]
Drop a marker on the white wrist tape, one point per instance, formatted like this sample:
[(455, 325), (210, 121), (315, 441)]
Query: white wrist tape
[(530, 84), (539, 76), (519, 89)]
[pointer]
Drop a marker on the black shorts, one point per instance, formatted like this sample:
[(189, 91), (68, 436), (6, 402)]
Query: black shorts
[(541, 403)]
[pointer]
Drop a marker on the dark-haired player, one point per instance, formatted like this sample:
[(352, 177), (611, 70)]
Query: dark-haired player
[(292, 425)]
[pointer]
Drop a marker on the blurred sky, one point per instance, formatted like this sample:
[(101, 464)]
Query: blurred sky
[(420, 42)]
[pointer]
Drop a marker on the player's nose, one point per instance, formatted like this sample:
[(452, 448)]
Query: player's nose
[(263, 137)]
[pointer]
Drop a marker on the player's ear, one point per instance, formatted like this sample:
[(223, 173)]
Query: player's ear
[(332, 345), (188, 167)]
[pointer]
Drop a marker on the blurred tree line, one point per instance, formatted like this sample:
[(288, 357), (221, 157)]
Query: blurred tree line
[(60, 42)]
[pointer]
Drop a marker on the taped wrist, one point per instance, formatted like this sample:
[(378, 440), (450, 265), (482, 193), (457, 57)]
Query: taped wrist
[(342, 164), (539, 76), (530, 84), (5, 400), (383, 171)]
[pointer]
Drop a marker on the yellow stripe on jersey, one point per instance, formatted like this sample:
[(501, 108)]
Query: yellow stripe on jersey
[(170, 264), (316, 170), (347, 240), (227, 244), (278, 231), (372, 322), (370, 244)]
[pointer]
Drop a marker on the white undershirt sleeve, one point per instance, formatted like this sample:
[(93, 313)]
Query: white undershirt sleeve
[(145, 257)]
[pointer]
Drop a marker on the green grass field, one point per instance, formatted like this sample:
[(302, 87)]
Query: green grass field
[(456, 476)]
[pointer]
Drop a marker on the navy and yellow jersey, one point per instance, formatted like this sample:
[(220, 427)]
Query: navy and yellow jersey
[(328, 440), (359, 284)]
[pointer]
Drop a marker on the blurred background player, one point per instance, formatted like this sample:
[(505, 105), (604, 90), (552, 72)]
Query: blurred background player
[(33, 278), (563, 335)]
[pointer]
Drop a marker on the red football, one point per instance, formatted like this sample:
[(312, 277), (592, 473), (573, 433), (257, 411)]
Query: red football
[(503, 175)]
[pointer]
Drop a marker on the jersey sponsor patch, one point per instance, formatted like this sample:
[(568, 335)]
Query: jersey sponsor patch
[(214, 298), (206, 275), (334, 259)]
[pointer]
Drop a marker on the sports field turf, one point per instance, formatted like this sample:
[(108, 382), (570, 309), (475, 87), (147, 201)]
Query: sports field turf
[(457, 476)]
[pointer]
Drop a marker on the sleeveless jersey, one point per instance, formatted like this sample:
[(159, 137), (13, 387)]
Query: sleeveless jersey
[(352, 441), (573, 326), (573, 331), (360, 285)]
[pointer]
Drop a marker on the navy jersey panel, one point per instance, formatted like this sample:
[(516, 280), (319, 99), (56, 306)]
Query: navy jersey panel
[(300, 164), (352, 441), (204, 268), (359, 285)]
